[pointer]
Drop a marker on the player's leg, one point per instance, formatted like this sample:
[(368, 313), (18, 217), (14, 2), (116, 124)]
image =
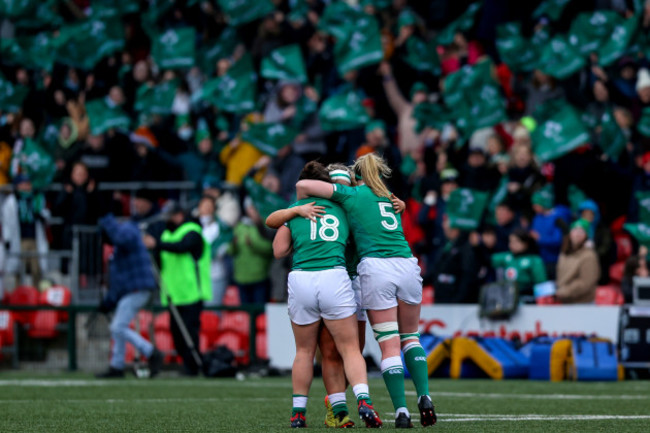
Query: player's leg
[(338, 309), (378, 296), (345, 335), (385, 328), (303, 369), (334, 380), (305, 322), (126, 309), (409, 296)]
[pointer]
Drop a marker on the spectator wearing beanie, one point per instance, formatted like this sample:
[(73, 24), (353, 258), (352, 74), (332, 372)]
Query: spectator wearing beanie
[(578, 270), (601, 236), (454, 273), (549, 226), (506, 222)]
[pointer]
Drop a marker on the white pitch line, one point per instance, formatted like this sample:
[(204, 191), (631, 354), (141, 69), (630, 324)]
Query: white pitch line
[(537, 396), (179, 382), (529, 417)]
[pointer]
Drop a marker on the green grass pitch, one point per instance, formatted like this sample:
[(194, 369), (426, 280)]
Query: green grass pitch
[(79, 403)]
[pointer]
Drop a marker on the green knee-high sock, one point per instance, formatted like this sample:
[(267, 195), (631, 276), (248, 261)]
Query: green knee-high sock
[(416, 361), (393, 373)]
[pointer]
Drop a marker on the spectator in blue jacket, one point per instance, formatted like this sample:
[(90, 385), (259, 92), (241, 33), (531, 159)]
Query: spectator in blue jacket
[(548, 227), (131, 284)]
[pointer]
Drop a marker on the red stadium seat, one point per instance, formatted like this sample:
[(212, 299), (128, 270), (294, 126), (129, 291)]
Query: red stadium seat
[(24, 295), (161, 322), (616, 272), (260, 323), (57, 296), (609, 295), (6, 328), (261, 346), (235, 321), (623, 247), (44, 324), (165, 344), (210, 325), (231, 297)]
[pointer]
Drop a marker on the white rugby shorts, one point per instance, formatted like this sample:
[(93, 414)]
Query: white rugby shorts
[(320, 294), (356, 286), (385, 280)]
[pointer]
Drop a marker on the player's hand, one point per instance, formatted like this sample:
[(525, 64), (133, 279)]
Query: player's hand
[(398, 205), (311, 211)]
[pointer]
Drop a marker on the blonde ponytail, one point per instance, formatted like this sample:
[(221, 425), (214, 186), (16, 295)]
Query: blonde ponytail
[(372, 169)]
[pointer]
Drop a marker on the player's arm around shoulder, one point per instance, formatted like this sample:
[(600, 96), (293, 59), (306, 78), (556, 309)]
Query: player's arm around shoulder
[(308, 210), (282, 243), (314, 188)]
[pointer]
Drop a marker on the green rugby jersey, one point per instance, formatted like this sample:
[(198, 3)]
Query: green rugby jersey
[(376, 228), (319, 245)]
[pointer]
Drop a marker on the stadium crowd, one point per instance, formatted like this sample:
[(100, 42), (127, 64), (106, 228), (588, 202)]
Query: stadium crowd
[(517, 132)]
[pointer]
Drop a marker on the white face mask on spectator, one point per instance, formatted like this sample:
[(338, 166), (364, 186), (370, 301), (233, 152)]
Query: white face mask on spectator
[(185, 133)]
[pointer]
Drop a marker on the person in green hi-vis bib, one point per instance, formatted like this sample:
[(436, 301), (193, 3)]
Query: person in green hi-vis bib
[(391, 286), (185, 275)]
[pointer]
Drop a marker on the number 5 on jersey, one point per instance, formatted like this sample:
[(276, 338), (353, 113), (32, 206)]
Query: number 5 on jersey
[(384, 210), (329, 230)]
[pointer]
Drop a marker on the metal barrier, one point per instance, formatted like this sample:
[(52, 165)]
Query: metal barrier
[(88, 276), (73, 325)]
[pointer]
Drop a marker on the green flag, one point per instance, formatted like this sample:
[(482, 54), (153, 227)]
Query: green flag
[(559, 135), (640, 232), (233, 92), (84, 44), (150, 18), (338, 17), (643, 199), (34, 162), (156, 99), (45, 15), (617, 44), (474, 98), (244, 11), (463, 23), (11, 95), (284, 63), (343, 112), (102, 117), (560, 59), (360, 46), (379, 4), (13, 9), (265, 201), (589, 31), (611, 138), (214, 51), (174, 49), (432, 115), (499, 195), (465, 208), (422, 56), (462, 84), (517, 52), (643, 126), (113, 8), (551, 8), (269, 137), (486, 108), (32, 52)]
